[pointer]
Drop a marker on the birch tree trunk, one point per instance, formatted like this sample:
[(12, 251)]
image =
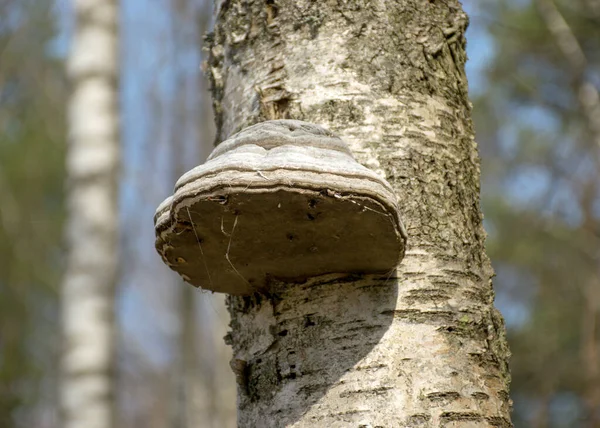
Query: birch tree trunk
[(424, 345), (88, 322)]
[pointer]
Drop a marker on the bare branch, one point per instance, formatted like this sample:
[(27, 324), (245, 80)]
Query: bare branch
[(587, 93), (593, 7)]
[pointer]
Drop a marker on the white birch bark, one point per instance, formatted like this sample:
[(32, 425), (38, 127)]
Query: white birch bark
[(423, 346), (88, 294)]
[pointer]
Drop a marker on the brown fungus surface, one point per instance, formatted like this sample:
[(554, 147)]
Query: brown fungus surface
[(282, 199)]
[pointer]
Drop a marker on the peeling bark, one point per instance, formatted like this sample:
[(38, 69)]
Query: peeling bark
[(422, 346)]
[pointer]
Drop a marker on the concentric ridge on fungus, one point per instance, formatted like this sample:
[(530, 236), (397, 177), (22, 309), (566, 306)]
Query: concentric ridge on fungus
[(282, 199)]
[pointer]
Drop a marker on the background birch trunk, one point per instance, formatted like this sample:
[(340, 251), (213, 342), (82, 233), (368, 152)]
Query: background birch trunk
[(88, 299), (424, 345)]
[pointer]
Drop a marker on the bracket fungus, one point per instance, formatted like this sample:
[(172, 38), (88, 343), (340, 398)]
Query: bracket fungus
[(282, 199)]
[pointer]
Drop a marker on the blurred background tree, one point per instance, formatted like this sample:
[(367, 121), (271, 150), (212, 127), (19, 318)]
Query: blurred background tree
[(163, 349), (87, 383), (537, 116), (534, 76)]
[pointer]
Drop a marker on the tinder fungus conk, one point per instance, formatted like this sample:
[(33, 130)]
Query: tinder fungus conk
[(283, 200)]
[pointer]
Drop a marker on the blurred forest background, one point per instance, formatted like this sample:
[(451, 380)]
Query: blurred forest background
[(534, 76)]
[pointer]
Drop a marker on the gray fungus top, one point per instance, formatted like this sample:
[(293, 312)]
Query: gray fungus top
[(283, 200)]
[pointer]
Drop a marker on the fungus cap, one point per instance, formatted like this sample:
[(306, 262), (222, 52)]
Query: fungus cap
[(282, 199)]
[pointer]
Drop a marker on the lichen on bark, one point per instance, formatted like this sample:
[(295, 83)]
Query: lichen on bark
[(422, 346)]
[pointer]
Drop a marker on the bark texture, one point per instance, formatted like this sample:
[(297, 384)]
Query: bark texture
[(420, 347), (87, 389)]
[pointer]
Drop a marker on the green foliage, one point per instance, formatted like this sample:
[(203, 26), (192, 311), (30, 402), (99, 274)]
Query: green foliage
[(32, 147), (541, 197)]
